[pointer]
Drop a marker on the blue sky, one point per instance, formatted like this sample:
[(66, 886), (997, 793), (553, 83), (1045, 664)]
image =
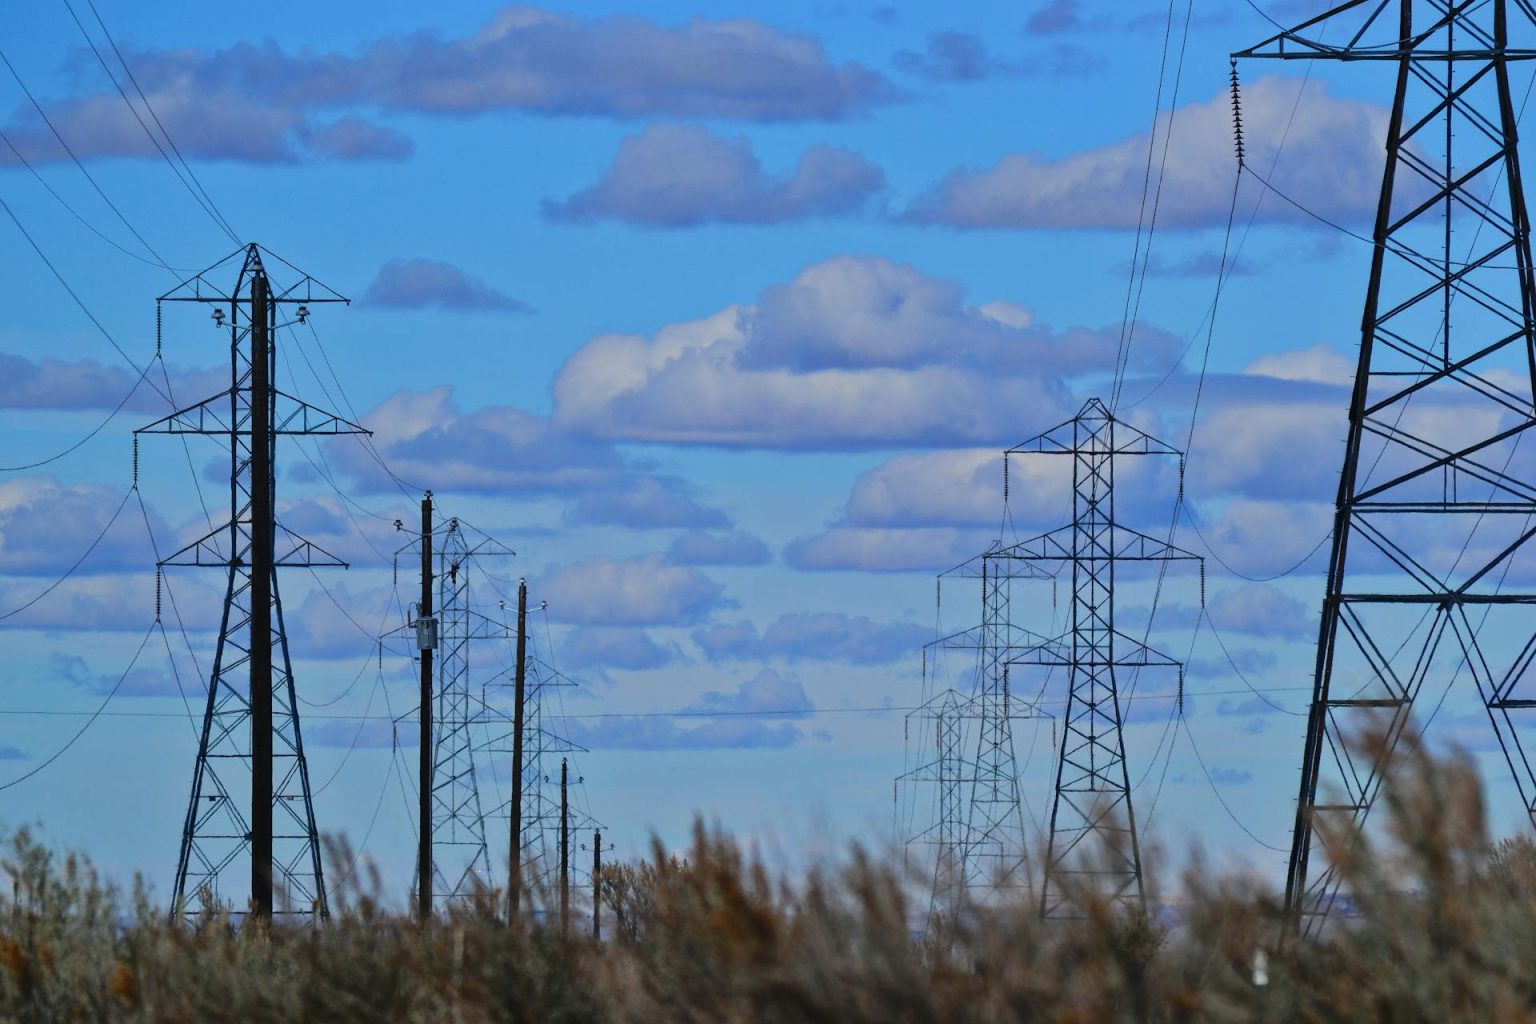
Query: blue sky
[(719, 316)]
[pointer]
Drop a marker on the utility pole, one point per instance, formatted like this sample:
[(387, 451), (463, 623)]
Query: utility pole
[(262, 529), (425, 642), (1429, 572), (520, 676), (565, 849), (251, 719), (597, 884)]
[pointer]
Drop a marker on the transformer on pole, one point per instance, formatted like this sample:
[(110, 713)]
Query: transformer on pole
[(1429, 575), (250, 739)]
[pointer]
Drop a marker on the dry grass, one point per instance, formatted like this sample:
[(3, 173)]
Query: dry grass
[(713, 936)]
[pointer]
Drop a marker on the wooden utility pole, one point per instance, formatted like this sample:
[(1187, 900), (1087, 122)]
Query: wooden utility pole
[(426, 640), (520, 675), (597, 884), (262, 540), (565, 850)]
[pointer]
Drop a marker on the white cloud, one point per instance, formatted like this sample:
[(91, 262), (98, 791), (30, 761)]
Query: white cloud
[(674, 176), (854, 352), (1331, 163), (628, 592)]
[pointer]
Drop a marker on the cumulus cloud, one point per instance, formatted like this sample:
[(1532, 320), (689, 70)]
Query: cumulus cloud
[(119, 603), (864, 549), (1331, 164), (46, 525), (433, 284), (1260, 609), (367, 735), (855, 352), (343, 625), (673, 176), (703, 548), (668, 734), (211, 120), (1056, 16), (952, 57), (752, 715), (652, 502), (614, 647), (70, 385), (767, 693), (628, 592), (263, 103), (423, 435), (142, 681), (823, 636)]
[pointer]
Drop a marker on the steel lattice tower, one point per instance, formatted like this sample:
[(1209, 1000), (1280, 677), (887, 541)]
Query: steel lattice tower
[(1093, 842), (996, 850), (979, 836), (944, 717), (250, 741), (460, 858), (541, 800), (1435, 505)]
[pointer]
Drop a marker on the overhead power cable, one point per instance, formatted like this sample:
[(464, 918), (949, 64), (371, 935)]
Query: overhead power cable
[(194, 187), (80, 165), (1211, 781), (50, 588), (91, 720)]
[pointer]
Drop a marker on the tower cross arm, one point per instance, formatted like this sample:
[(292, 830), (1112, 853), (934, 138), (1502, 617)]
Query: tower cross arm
[(1064, 439), (1123, 544), (1377, 30), (292, 417)]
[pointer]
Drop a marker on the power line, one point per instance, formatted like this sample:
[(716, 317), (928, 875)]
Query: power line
[(77, 563), (72, 211), (143, 371), (204, 200), (1128, 326), (101, 710), (89, 435), (786, 713), (78, 164), (1211, 781)]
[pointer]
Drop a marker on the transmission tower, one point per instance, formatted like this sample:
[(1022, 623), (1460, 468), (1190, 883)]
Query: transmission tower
[(461, 858), (1093, 843), (540, 805), (942, 719), (978, 837), (250, 740), (1434, 511)]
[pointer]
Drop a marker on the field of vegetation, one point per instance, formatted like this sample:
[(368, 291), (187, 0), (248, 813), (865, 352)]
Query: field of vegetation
[(1446, 931)]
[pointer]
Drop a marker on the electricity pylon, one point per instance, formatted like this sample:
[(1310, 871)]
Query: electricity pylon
[(1093, 842), (943, 717), (1435, 505), (250, 736), (978, 837), (461, 857)]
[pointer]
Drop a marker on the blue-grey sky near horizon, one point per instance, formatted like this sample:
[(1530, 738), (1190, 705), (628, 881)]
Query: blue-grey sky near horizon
[(720, 315)]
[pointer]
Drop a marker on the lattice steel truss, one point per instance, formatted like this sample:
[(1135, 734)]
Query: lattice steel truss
[(994, 852), (543, 746), (461, 861), (250, 738), (1093, 842), (943, 719), (1429, 576)]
